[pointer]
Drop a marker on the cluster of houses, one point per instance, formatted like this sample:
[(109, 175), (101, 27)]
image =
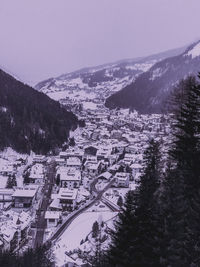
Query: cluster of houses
[(17, 202), (103, 150), (14, 229), (23, 197), (109, 148)]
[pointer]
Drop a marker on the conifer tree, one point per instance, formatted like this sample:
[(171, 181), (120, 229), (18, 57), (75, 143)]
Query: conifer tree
[(135, 241), (120, 201), (95, 229), (31, 258), (182, 185), (145, 245), (14, 181), (121, 236), (58, 180), (9, 182)]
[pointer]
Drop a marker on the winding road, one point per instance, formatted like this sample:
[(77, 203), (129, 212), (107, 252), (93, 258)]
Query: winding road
[(98, 196)]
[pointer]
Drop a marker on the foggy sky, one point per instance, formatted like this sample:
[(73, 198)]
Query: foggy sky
[(46, 38)]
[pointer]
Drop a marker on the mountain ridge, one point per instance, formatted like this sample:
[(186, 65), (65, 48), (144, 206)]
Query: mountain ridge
[(149, 91), (100, 81)]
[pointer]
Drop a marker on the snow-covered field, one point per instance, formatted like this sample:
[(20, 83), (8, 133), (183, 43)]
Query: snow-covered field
[(3, 181), (89, 105), (11, 155), (77, 231), (72, 94)]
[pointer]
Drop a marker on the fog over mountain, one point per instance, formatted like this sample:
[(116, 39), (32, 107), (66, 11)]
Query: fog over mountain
[(42, 39), (100, 81)]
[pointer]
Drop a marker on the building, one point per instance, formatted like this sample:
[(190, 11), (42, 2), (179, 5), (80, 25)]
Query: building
[(60, 161), (68, 198), (39, 159), (71, 153), (129, 158), (24, 198), (9, 238), (52, 218), (55, 205), (105, 176), (122, 179), (90, 150), (5, 197), (14, 230), (37, 174), (136, 168), (74, 162), (7, 169), (93, 169), (69, 177), (104, 152)]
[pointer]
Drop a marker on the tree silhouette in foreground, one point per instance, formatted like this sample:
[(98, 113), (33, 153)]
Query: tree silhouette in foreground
[(135, 240), (31, 258), (181, 196)]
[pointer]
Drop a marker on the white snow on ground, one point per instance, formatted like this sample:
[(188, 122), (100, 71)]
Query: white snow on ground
[(113, 194), (156, 73), (89, 105), (75, 90), (195, 52), (3, 162), (19, 177), (99, 207), (72, 94), (3, 181), (7, 157), (142, 66), (77, 231), (76, 82), (11, 155)]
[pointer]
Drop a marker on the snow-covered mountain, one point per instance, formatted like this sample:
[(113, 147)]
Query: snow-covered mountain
[(102, 81), (149, 91)]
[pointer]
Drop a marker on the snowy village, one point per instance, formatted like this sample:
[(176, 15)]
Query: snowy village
[(60, 199)]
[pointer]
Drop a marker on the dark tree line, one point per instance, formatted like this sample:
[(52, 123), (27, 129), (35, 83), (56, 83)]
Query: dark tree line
[(30, 258), (159, 224), (30, 120)]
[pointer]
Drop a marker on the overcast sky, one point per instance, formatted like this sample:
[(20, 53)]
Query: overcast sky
[(45, 38)]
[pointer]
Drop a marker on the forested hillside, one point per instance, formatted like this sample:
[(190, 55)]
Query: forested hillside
[(159, 223), (30, 120), (149, 92)]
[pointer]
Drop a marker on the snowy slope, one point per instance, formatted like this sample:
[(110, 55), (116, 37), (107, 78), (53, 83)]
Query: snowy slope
[(99, 82), (195, 51)]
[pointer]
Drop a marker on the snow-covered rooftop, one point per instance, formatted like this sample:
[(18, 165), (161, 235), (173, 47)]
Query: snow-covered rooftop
[(24, 193), (52, 215)]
